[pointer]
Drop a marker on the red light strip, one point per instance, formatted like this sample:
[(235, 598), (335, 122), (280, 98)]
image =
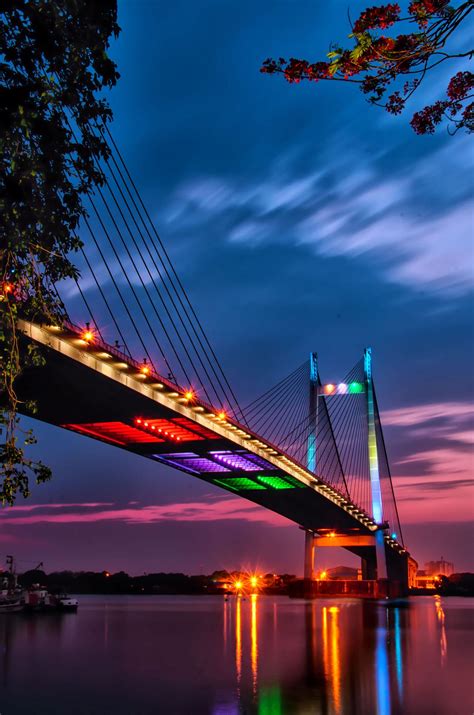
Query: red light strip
[(168, 428), (114, 432)]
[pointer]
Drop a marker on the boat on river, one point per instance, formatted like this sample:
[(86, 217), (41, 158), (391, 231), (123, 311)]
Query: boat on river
[(35, 599), (11, 594)]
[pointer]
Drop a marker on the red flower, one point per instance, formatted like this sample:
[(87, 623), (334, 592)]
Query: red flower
[(382, 16), (395, 104), (460, 85), (426, 121), (422, 10)]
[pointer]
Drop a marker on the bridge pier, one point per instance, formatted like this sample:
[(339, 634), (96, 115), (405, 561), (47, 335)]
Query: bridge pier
[(386, 570), (368, 568), (308, 563)]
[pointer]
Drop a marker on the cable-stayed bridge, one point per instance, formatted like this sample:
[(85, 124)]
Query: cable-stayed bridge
[(130, 364)]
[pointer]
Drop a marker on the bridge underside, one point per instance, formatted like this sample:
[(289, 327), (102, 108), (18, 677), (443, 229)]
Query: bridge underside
[(72, 396)]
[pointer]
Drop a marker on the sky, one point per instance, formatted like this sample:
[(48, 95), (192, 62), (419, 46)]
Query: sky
[(321, 223)]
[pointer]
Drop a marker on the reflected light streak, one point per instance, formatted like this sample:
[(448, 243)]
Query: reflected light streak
[(381, 667), (331, 654), (254, 642), (443, 641), (225, 619), (398, 652), (335, 658), (238, 642)]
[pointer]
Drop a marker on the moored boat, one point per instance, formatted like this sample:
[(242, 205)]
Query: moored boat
[(11, 596), (66, 602)]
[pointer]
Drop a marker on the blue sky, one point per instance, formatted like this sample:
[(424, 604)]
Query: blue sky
[(299, 218)]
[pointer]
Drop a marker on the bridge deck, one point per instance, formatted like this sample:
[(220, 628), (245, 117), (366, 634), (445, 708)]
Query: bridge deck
[(86, 388)]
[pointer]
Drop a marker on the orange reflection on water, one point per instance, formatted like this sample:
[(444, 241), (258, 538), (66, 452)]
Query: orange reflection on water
[(225, 625), (254, 641), (331, 653), (443, 641), (238, 641)]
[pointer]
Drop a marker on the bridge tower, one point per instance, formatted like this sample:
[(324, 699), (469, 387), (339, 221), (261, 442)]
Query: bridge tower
[(311, 459), (313, 411), (376, 492)]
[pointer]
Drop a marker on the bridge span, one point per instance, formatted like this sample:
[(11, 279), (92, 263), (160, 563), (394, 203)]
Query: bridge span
[(91, 388)]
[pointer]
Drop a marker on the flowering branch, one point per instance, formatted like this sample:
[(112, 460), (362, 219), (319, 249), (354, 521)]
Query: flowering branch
[(377, 61)]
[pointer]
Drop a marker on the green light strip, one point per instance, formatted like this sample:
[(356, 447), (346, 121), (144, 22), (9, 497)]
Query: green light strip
[(238, 484), (294, 482), (275, 482)]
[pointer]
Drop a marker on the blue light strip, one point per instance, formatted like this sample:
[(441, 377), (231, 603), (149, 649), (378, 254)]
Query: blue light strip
[(377, 511), (313, 398)]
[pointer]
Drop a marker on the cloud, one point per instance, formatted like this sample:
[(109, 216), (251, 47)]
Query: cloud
[(224, 509), (437, 486), (414, 235), (454, 412), (35, 507)]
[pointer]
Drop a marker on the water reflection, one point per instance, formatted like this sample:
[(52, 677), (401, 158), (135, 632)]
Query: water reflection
[(331, 653), (238, 642), (382, 678), (442, 638), (254, 643), (258, 656)]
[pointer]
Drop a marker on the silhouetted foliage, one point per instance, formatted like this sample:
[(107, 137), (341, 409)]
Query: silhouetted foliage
[(53, 68)]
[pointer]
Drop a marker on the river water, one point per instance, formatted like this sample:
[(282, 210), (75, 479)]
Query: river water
[(175, 655)]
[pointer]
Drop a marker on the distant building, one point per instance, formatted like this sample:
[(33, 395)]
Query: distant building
[(342, 573), (439, 568), (424, 580)]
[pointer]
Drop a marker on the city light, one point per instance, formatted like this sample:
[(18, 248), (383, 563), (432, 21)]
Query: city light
[(329, 389), (342, 388), (87, 335), (221, 415), (323, 575), (189, 395), (145, 370)]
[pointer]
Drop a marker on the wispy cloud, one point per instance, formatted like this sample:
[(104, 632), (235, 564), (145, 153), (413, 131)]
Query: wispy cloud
[(454, 412), (437, 486), (216, 510), (437, 477), (45, 507), (389, 219)]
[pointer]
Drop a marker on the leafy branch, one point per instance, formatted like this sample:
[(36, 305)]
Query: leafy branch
[(377, 61)]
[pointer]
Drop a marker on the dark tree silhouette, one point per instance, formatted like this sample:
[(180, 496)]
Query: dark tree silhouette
[(390, 68), (53, 68)]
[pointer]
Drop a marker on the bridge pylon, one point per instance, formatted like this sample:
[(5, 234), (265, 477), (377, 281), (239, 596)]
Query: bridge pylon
[(375, 489), (311, 456)]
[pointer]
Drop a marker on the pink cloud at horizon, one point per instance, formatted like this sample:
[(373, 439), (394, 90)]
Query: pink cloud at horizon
[(416, 414), (439, 501), (66, 505), (225, 509)]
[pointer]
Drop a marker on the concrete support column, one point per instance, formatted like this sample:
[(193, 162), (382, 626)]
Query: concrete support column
[(380, 555), (308, 555), (368, 567)]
